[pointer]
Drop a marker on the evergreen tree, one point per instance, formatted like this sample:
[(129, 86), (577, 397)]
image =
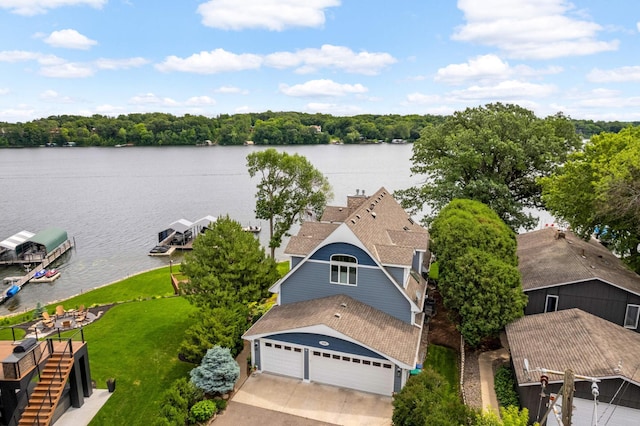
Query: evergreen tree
[(218, 372)]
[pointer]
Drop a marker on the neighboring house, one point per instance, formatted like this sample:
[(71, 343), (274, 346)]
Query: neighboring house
[(561, 271), (589, 346), (349, 312)]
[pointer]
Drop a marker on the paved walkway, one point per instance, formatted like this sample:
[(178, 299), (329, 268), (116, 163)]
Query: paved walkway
[(83, 415), (487, 361)]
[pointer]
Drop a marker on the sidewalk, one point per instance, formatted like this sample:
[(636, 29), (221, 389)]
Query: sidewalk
[(487, 361)]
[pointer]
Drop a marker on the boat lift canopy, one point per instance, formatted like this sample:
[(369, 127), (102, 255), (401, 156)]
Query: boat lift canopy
[(13, 241)]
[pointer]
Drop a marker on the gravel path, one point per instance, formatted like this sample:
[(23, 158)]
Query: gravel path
[(472, 391)]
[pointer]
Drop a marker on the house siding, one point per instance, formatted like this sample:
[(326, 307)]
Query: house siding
[(335, 344), (595, 297), (325, 253), (396, 273), (294, 261), (312, 281)]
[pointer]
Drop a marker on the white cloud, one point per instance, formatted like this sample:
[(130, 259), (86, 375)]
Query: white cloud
[(329, 56), (152, 99), (230, 89), (53, 96), (333, 109), (110, 110), (535, 29), (510, 90), (70, 39), (67, 70), (638, 26), (487, 68), (23, 56), (21, 114), (200, 100), (622, 74), (120, 64), (321, 88), (274, 15), (213, 62), (421, 98), (36, 7), (4, 91)]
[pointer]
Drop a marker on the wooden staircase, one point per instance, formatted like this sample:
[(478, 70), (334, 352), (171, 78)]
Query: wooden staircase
[(47, 393)]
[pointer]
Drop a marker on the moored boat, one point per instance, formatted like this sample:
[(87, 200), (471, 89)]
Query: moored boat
[(51, 273), (40, 274)]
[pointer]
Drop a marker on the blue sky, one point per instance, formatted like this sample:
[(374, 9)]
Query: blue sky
[(341, 57)]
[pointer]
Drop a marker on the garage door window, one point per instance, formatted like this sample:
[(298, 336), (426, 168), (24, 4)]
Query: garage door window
[(355, 360)]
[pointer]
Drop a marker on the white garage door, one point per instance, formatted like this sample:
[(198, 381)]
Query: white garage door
[(353, 372), (607, 414), (281, 358)]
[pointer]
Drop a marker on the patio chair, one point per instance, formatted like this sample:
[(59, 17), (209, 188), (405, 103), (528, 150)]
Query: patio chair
[(81, 314), (46, 320), (60, 312)]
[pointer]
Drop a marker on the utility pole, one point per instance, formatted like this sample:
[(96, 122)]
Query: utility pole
[(567, 390), (567, 397)]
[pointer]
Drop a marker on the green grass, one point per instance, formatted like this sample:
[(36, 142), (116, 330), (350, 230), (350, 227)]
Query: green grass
[(137, 344), (444, 361)]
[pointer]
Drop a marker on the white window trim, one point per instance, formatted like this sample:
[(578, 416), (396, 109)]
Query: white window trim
[(353, 265), (546, 302), (626, 315)]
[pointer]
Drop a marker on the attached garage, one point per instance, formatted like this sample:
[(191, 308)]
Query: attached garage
[(282, 358), (353, 372)]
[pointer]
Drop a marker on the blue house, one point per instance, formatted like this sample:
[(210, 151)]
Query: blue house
[(350, 311)]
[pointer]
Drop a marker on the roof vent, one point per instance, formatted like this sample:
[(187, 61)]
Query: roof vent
[(411, 221), (353, 221), (337, 315), (344, 305), (357, 192), (340, 209), (406, 228), (358, 216), (373, 214)]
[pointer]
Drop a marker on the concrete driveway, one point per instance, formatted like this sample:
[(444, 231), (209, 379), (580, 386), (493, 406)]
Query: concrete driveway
[(313, 401)]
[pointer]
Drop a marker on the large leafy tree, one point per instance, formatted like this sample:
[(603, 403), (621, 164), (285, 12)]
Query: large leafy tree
[(478, 275), (289, 186), (492, 154), (598, 188), (227, 266)]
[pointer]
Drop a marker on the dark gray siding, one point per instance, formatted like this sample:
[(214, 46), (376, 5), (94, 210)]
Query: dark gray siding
[(396, 273), (312, 281), (595, 297), (335, 344)]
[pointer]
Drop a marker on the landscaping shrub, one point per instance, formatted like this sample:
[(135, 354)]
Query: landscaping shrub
[(203, 411), (177, 401), (221, 404), (505, 387)]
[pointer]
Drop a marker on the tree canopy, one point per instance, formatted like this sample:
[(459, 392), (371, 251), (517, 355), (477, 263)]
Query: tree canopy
[(226, 266), (598, 190), (478, 274), (289, 187), (492, 154), (427, 399)]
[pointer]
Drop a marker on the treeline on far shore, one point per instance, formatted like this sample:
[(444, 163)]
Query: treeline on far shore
[(267, 128)]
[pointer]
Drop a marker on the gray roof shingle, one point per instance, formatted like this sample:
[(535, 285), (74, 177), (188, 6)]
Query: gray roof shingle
[(358, 321), (572, 338), (545, 260)]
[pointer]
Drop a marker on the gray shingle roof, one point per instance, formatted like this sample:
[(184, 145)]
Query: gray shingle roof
[(572, 338), (545, 260), (358, 321)]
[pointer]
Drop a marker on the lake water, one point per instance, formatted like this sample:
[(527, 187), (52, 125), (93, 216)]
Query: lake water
[(113, 201)]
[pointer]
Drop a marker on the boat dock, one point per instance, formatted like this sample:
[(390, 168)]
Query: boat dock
[(46, 261)]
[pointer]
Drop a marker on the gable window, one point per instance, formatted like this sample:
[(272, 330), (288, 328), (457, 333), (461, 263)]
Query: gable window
[(344, 269), (631, 317), (551, 305)]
